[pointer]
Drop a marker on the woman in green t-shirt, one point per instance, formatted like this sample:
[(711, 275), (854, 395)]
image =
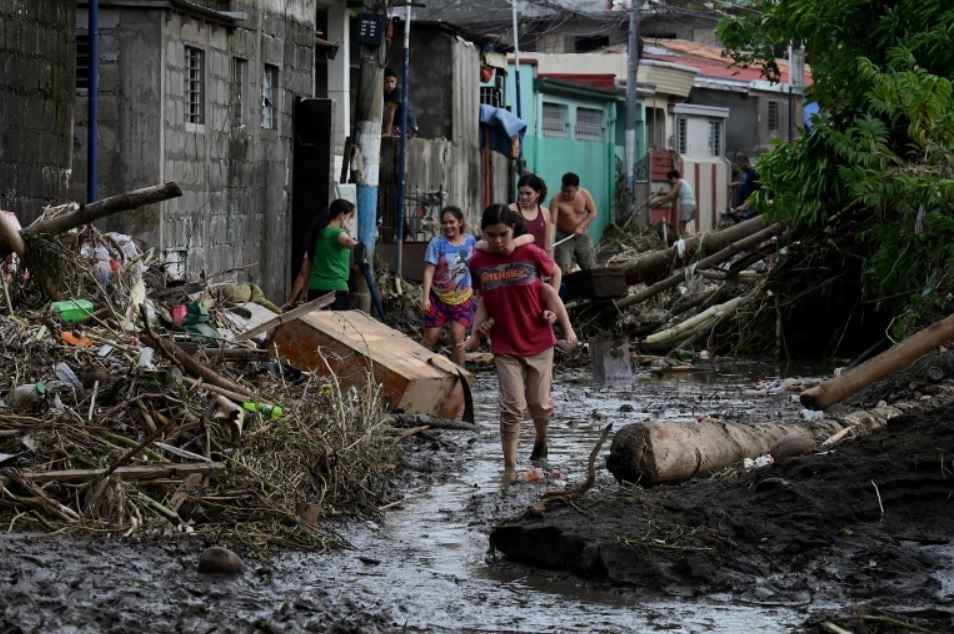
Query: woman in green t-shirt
[(327, 265)]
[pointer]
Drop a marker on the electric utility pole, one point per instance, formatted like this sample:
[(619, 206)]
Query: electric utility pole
[(632, 66), (368, 116)]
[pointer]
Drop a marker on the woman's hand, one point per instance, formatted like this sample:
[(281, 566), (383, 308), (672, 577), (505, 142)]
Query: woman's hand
[(549, 316), (484, 327), (426, 303)]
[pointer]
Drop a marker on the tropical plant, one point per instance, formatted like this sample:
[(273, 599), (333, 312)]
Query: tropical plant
[(881, 148)]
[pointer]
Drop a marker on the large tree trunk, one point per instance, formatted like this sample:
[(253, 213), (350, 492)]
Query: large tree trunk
[(900, 356), (655, 452), (94, 211), (652, 266), (719, 257)]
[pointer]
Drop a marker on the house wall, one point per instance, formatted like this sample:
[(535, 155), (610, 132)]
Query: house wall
[(236, 204), (447, 100), (430, 100), (37, 79), (593, 161), (747, 130)]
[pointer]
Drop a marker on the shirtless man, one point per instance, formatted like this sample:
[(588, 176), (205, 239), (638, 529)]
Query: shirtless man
[(570, 211)]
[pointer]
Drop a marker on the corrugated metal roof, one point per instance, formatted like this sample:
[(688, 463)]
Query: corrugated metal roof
[(711, 61)]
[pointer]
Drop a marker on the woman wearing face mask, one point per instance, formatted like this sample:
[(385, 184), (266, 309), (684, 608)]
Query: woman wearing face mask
[(327, 262), (509, 279), (447, 295)]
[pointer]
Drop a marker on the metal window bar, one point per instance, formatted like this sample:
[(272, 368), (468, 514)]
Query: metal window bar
[(194, 85), (715, 138), (82, 61), (554, 120), (491, 96), (682, 135), (239, 73), (589, 124), (773, 115), (269, 79)]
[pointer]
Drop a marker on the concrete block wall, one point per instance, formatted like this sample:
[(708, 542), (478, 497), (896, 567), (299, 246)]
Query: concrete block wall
[(235, 212), (37, 76)]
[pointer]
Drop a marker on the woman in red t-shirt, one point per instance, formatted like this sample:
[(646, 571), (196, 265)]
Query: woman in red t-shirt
[(509, 280)]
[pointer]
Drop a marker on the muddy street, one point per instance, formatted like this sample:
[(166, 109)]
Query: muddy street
[(425, 567)]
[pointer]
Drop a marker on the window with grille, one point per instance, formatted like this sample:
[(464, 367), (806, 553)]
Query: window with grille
[(269, 96), (554, 120), (239, 81), (492, 96), (589, 124), (773, 115), (82, 61), (194, 85), (682, 135), (715, 138)]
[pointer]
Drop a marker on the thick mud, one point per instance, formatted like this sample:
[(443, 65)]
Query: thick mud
[(867, 522), (427, 565)]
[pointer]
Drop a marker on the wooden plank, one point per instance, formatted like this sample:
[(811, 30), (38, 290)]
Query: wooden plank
[(135, 472), (316, 304), (350, 344)]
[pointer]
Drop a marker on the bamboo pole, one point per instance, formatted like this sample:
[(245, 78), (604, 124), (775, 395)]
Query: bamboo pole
[(708, 262), (897, 357), (652, 266)]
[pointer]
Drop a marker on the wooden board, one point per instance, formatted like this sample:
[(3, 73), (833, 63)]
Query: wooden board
[(354, 346), (598, 283)]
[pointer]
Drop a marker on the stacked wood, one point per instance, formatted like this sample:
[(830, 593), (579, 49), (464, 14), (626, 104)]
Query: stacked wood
[(652, 266)]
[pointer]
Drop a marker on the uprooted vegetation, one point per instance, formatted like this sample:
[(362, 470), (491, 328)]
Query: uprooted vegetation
[(131, 422)]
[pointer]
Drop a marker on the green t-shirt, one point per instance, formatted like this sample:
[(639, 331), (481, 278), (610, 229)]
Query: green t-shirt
[(331, 262)]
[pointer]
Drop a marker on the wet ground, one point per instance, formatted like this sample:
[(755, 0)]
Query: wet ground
[(426, 566)]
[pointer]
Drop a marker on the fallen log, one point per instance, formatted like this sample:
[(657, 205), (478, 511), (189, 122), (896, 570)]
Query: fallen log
[(135, 472), (688, 327), (716, 258), (102, 208), (186, 361), (899, 356), (657, 452), (651, 266)]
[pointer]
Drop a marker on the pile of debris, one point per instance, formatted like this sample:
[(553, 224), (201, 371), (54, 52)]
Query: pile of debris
[(132, 408)]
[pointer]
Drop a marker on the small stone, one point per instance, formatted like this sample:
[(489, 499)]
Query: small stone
[(794, 444), (216, 560)]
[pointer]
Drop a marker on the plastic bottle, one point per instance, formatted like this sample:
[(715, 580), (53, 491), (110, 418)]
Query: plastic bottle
[(29, 394), (266, 409)]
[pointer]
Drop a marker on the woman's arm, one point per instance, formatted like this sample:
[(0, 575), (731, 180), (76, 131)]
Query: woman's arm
[(301, 282), (548, 230), (347, 241), (519, 241), (426, 286)]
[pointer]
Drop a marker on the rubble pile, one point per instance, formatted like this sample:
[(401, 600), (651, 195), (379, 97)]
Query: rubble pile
[(130, 408)]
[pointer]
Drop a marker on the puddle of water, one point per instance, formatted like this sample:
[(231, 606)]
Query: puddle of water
[(436, 575), (426, 566)]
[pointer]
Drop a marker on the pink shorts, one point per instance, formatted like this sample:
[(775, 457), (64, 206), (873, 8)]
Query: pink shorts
[(441, 313)]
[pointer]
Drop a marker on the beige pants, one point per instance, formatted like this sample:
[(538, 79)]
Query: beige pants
[(524, 387)]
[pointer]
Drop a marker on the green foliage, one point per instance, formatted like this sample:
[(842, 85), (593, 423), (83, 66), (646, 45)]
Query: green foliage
[(883, 146)]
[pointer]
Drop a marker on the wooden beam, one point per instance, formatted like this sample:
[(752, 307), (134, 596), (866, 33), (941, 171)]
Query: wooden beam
[(135, 472)]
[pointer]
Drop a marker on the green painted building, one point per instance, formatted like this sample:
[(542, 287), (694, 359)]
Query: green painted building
[(572, 128)]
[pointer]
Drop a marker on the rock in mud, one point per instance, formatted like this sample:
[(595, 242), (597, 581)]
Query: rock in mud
[(216, 560), (797, 443)]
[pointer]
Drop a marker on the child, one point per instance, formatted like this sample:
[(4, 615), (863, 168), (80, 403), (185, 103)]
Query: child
[(555, 308)]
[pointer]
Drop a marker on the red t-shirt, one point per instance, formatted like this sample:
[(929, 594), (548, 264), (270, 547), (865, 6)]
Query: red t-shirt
[(510, 287)]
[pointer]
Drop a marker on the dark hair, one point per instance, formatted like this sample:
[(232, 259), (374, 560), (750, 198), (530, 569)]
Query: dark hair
[(389, 72), (673, 174), (571, 180), (535, 183), (743, 159), (457, 213), (502, 214), (325, 216)]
